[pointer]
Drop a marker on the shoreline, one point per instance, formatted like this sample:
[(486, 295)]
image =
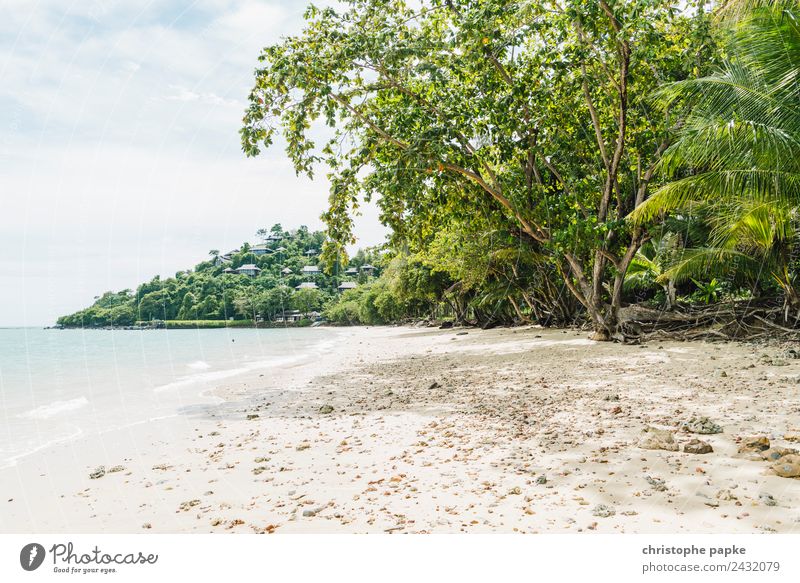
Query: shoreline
[(454, 430)]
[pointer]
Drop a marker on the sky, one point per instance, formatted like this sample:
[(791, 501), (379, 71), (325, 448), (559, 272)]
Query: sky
[(119, 146)]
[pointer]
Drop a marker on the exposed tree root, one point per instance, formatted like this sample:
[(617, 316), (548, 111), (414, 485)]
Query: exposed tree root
[(742, 320)]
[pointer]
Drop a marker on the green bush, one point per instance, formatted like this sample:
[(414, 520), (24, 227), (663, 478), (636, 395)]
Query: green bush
[(182, 324)]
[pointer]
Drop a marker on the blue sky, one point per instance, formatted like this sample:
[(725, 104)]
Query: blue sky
[(119, 152)]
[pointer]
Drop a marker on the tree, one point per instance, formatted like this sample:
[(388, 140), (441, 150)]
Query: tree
[(537, 112), (246, 305), (650, 265), (274, 301), (307, 300), (738, 150), (188, 311)]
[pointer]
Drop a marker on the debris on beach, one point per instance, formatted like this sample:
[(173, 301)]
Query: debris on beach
[(98, 472), (189, 504), (698, 446), (702, 425), (788, 466), (603, 511), (655, 438), (754, 445)]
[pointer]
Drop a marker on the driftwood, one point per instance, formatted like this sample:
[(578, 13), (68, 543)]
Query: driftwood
[(739, 320)]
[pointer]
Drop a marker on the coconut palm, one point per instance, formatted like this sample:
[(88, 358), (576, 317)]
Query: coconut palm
[(650, 264), (750, 239), (739, 146)]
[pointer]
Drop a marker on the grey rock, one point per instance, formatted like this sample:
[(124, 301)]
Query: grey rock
[(603, 511), (326, 409), (702, 425), (657, 484), (98, 472), (767, 499)]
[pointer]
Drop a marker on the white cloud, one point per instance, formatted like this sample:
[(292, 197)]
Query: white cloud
[(119, 143)]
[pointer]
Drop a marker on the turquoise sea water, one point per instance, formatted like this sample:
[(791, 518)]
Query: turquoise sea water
[(58, 385)]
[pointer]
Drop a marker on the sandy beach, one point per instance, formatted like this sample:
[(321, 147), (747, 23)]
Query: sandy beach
[(420, 430)]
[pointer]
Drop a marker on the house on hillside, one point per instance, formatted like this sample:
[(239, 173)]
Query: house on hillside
[(272, 237), (260, 249), (307, 285), (221, 260), (311, 270), (368, 269), (346, 285), (351, 271), (228, 270), (311, 252), (286, 271), (249, 269)]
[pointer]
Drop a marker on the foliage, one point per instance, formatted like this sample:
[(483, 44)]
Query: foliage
[(537, 113), (209, 293), (737, 153)]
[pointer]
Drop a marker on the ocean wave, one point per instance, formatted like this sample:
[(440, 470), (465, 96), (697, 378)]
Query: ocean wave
[(11, 460), (198, 365), (55, 408), (205, 378)]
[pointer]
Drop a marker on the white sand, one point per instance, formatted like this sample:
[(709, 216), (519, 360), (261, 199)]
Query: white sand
[(397, 454)]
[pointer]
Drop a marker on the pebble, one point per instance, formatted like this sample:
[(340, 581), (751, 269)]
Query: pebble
[(697, 446), (767, 499), (603, 511)]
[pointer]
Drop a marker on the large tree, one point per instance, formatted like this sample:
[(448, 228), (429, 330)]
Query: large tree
[(535, 111)]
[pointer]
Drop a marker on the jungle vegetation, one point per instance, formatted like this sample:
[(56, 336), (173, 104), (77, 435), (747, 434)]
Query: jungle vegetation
[(556, 161)]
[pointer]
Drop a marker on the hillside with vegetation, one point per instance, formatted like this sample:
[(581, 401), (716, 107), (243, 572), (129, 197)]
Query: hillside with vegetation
[(277, 279), (631, 166)]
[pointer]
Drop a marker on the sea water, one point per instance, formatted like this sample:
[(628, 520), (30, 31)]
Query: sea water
[(59, 385)]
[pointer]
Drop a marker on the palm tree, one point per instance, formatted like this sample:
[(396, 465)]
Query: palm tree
[(649, 266), (750, 239), (739, 148)]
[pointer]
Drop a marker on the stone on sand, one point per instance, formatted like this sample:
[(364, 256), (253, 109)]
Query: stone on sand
[(654, 438), (603, 511), (702, 425), (698, 446), (788, 466), (754, 444)]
